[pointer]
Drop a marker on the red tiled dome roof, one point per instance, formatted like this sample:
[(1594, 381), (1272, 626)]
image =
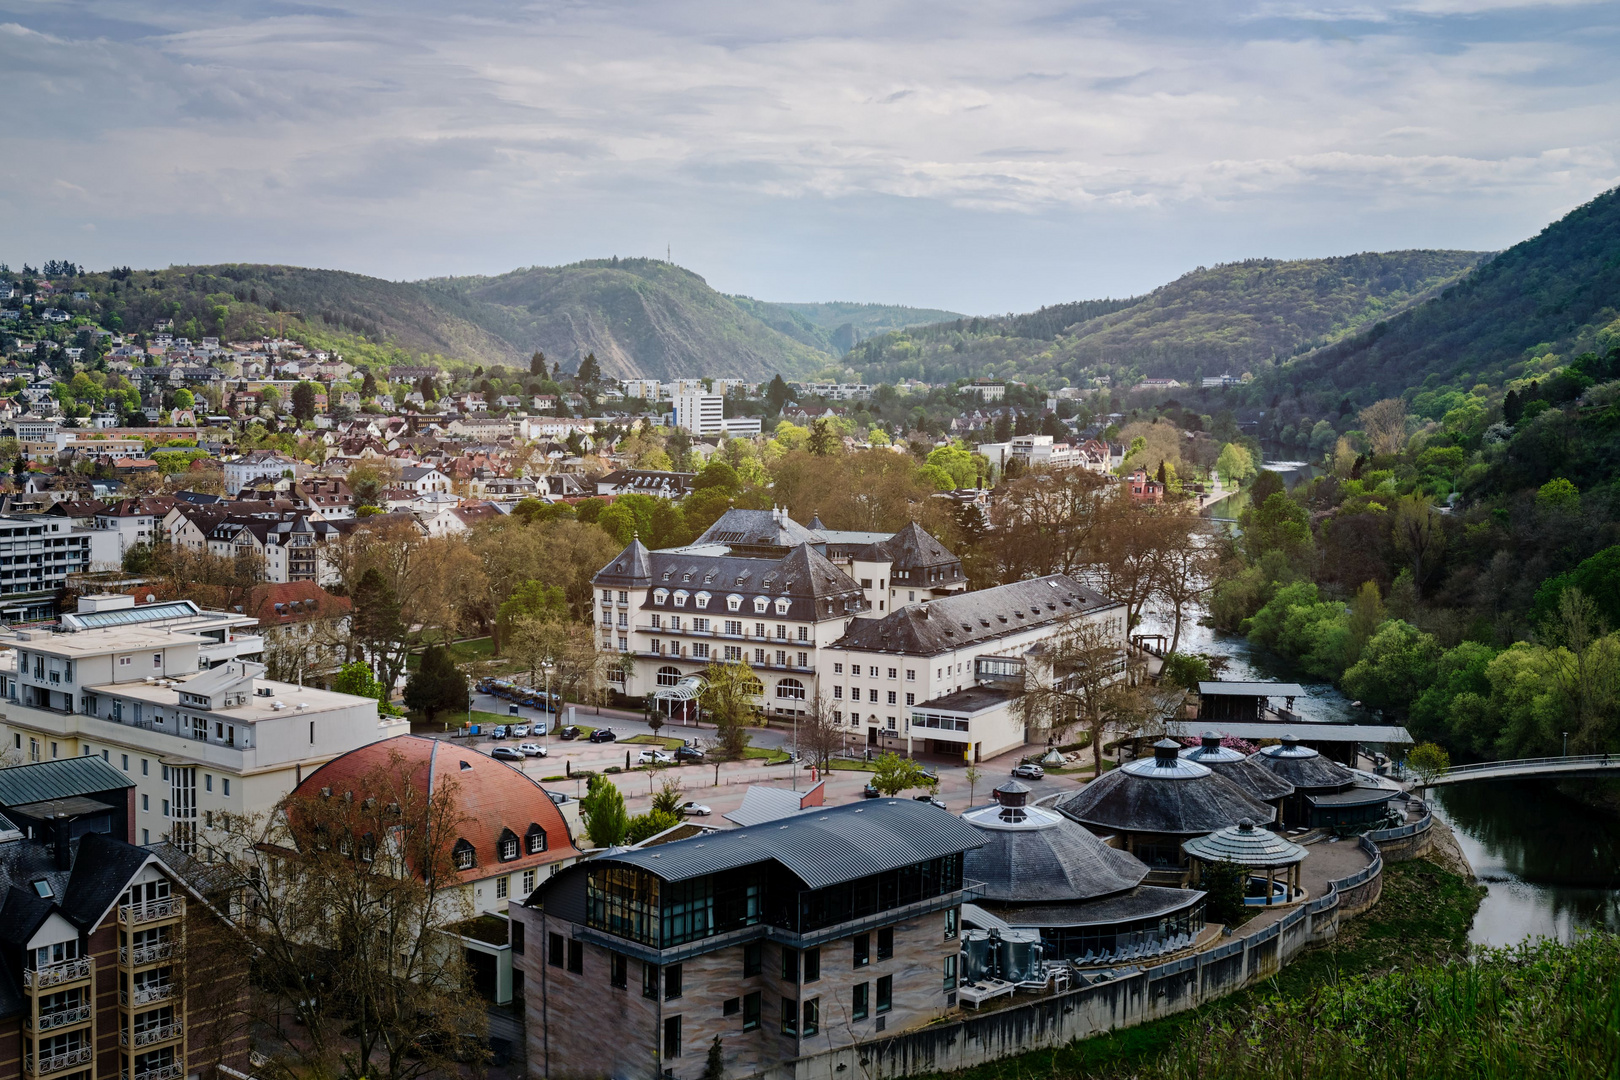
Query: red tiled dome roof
[(492, 797)]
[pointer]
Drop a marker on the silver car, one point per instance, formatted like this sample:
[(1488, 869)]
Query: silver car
[(532, 749)]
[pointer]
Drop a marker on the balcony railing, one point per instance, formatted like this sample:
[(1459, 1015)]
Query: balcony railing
[(68, 1059), (155, 953), (152, 911), (152, 1035), (147, 994), (61, 1018), (56, 974), (163, 1072)]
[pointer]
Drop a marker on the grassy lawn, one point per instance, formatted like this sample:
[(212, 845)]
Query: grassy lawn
[(655, 740), (850, 765), (774, 757), (1422, 918)]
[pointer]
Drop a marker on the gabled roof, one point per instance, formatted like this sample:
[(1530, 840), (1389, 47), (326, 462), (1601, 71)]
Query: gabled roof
[(912, 548), (59, 779), (758, 528), (954, 622), (632, 567)]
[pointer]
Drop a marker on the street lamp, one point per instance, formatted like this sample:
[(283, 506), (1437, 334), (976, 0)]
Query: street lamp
[(1566, 744)]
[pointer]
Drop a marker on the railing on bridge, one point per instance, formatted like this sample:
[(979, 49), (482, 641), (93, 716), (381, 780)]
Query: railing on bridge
[(1528, 767)]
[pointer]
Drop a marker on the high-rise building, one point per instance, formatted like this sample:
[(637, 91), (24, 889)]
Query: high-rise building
[(700, 413)]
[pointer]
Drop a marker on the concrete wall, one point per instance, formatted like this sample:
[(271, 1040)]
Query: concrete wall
[(1407, 841), (1081, 1013)]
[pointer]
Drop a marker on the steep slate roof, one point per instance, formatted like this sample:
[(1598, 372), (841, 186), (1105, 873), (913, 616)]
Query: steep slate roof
[(1303, 767), (491, 796), (102, 867), (1166, 794), (1045, 858), (954, 622), (758, 529), (631, 568), (816, 589), (912, 548), (835, 844)]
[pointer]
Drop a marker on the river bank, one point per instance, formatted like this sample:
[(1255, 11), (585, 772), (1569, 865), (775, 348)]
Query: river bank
[(1422, 918)]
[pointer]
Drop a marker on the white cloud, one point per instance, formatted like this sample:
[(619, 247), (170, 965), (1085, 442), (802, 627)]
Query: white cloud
[(202, 131)]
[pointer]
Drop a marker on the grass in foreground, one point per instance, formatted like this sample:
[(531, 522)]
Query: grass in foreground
[(1422, 918)]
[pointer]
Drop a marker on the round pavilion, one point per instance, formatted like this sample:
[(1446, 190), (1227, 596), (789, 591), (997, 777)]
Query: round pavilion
[(1326, 794), (1155, 804), (1258, 851), (1261, 783)]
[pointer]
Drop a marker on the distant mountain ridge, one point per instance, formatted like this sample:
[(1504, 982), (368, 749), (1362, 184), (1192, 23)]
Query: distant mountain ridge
[(1236, 317), (838, 326)]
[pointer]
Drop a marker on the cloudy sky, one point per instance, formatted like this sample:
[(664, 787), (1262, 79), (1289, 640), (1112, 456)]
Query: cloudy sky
[(982, 157)]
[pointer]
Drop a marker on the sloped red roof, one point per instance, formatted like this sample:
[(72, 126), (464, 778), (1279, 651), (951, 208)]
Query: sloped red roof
[(492, 797), (293, 602)]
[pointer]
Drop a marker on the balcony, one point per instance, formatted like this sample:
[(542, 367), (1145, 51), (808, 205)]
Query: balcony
[(163, 1072), (141, 955), (152, 911), (56, 974), (67, 1059), (152, 1036), (61, 1018), (146, 995)]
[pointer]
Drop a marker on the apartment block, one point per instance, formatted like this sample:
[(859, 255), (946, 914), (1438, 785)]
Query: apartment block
[(795, 936), (196, 741), (37, 554)]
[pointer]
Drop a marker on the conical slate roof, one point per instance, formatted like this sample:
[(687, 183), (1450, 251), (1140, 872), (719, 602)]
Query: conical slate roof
[(1167, 794), (1260, 782), (1033, 855), (632, 568), (1303, 767), (1245, 844)]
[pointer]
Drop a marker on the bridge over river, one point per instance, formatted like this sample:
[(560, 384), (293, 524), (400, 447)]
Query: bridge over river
[(1532, 769)]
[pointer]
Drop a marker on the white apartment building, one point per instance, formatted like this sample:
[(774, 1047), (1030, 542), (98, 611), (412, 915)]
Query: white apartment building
[(700, 412), (648, 389), (197, 743), (944, 676), (37, 553), (760, 587), (258, 465)]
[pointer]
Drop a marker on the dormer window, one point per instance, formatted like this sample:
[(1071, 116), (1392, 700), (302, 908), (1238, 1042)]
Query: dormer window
[(535, 840), (760, 604), (660, 596), (702, 600), (782, 605), (734, 602), (464, 855), (681, 596), (509, 845)]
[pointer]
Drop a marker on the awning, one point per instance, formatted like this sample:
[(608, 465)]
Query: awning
[(686, 690)]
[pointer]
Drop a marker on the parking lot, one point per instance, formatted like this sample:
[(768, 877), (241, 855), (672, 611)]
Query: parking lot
[(719, 786)]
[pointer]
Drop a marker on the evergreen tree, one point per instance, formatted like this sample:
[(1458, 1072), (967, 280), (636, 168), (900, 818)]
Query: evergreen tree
[(777, 394), (303, 401), (437, 685), (589, 375), (537, 363), (822, 438), (714, 1068), (1512, 407), (606, 821)]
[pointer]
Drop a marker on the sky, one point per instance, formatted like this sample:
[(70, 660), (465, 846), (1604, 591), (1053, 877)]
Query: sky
[(977, 157)]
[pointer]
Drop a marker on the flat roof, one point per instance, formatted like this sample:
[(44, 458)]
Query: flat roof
[(1251, 689), (1309, 732), (1360, 795), (110, 640), (257, 707), (973, 699)]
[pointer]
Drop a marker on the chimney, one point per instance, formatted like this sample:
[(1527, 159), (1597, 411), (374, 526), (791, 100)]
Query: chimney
[(62, 832)]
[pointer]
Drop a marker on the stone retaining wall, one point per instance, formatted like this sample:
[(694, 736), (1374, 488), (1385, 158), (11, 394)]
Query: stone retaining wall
[(1148, 994)]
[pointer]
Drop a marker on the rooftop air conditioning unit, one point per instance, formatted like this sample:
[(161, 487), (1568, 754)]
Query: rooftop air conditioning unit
[(149, 680), (278, 705)]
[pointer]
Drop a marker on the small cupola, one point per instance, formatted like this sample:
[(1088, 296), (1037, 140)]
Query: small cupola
[(1165, 753), (1013, 797)]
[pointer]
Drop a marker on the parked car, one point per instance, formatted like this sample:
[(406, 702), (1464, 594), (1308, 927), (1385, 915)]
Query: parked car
[(518, 731), (657, 757), (1029, 771), (569, 732), (506, 753), (689, 753), (532, 749), (538, 729), (695, 809), (603, 734), (930, 799), (870, 792), (498, 731)]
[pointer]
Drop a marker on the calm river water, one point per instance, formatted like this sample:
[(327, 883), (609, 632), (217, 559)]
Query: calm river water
[(1550, 865)]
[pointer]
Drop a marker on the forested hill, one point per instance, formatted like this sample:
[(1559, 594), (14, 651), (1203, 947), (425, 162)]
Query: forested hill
[(836, 327), (1245, 316), (640, 317), (1554, 295)]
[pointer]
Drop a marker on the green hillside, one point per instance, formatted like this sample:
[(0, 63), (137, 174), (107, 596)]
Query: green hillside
[(639, 316), (1553, 296), (1245, 316), (838, 326)]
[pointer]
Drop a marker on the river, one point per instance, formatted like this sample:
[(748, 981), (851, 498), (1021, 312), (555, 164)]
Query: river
[(1550, 864)]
